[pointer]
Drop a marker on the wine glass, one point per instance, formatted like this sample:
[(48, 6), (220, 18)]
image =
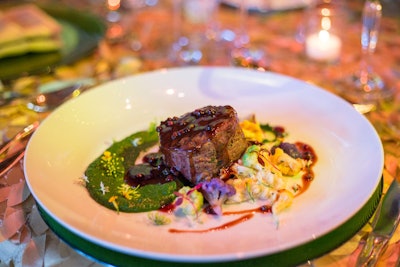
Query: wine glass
[(244, 53), (195, 29), (365, 89), (119, 15), (115, 31)]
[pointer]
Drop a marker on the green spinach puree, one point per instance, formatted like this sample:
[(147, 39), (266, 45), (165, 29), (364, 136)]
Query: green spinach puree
[(105, 177)]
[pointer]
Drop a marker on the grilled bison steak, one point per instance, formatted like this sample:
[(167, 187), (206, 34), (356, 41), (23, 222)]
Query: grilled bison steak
[(199, 143)]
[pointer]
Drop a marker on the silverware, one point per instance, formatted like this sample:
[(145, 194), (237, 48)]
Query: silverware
[(40, 103), (48, 101), (8, 159), (23, 135), (45, 102), (51, 99), (11, 160), (385, 223)]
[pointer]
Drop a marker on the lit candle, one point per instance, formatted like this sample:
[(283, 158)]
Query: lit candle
[(323, 46)]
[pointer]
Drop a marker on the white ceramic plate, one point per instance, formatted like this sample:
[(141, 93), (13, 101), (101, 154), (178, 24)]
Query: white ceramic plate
[(349, 167)]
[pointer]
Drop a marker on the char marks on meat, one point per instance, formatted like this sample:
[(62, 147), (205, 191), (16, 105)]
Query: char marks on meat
[(200, 143)]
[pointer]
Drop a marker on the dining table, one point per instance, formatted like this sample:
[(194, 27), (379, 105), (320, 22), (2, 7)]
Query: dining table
[(135, 37)]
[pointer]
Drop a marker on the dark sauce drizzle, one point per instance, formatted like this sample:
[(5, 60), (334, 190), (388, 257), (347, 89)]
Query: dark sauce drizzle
[(262, 209), (248, 214), (217, 228), (307, 153)]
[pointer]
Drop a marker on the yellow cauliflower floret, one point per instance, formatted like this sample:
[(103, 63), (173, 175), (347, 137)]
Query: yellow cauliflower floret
[(285, 163), (284, 201), (241, 194), (252, 130)]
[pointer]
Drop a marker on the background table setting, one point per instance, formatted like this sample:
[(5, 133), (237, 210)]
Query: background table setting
[(107, 44)]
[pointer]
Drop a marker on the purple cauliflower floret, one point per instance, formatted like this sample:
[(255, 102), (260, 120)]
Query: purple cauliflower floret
[(216, 191)]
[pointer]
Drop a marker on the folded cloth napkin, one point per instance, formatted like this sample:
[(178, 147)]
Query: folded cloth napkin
[(28, 29)]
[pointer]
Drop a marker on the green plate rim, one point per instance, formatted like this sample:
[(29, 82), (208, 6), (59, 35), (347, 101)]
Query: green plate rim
[(89, 27), (290, 257)]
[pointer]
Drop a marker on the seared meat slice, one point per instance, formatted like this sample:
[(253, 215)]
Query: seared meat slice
[(199, 143)]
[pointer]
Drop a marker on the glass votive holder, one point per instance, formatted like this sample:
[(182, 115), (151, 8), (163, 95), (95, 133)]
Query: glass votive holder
[(322, 41)]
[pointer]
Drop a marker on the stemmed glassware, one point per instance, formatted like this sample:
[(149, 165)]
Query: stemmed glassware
[(243, 53), (119, 14), (199, 30), (242, 37), (366, 89), (195, 21), (113, 18)]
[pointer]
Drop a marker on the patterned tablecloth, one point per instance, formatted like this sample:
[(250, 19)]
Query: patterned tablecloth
[(142, 41)]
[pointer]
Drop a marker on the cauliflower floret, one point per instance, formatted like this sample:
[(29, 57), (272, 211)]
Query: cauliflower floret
[(241, 171), (265, 176), (252, 131), (216, 192), (269, 194), (262, 191), (287, 165), (250, 157), (251, 184), (283, 201), (251, 189), (189, 202), (241, 194)]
